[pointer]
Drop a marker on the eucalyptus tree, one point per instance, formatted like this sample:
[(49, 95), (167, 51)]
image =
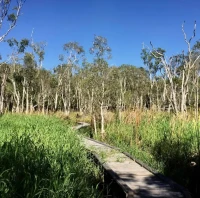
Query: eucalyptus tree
[(30, 84), (4, 72), (137, 87), (9, 15), (114, 88), (180, 65), (8, 20), (80, 102), (10, 70), (88, 85), (118, 81), (102, 52), (38, 51), (16, 78), (44, 92), (74, 54), (189, 63), (34, 57), (132, 84), (154, 69), (195, 54)]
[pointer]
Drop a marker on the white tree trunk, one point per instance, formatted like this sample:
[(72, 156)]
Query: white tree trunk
[(27, 100), (3, 83), (95, 124), (102, 121), (16, 96)]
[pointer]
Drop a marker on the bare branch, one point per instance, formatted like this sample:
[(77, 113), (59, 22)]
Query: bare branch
[(194, 32), (4, 11), (151, 45), (198, 57), (32, 43), (185, 36)]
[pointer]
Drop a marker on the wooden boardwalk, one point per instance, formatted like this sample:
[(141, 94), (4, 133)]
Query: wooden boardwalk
[(133, 179)]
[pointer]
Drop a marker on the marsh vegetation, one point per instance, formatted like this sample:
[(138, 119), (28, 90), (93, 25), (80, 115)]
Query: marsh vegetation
[(42, 157)]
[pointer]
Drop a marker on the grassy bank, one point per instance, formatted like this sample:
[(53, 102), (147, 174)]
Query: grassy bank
[(41, 157)]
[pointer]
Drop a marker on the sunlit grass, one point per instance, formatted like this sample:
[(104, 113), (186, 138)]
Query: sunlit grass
[(165, 142), (41, 157)]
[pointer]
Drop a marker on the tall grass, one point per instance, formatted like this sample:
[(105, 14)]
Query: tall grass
[(41, 157), (165, 142)]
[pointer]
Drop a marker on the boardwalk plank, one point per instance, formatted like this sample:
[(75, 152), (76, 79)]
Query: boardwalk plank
[(135, 180)]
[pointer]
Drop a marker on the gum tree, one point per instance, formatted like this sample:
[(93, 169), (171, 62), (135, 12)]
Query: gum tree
[(8, 19), (102, 52), (178, 70), (15, 76), (73, 54), (9, 15)]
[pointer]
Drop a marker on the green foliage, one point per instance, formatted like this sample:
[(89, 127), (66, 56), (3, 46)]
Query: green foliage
[(21, 45), (11, 17), (74, 53), (100, 47), (152, 59), (73, 46), (9, 13), (41, 157), (165, 143)]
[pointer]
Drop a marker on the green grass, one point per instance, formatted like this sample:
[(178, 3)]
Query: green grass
[(164, 142), (41, 157)]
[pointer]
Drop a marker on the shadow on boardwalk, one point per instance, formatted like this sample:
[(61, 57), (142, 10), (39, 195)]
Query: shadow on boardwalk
[(174, 155), (148, 187), (179, 164)]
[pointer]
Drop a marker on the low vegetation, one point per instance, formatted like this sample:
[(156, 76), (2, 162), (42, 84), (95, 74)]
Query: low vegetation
[(41, 157), (167, 143)]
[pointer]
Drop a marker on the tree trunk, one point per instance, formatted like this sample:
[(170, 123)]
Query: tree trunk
[(95, 124), (43, 105), (16, 96), (31, 108), (141, 102), (27, 100), (3, 84), (56, 102), (102, 122), (69, 98)]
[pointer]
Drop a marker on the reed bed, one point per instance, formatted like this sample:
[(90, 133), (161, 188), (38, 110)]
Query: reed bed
[(41, 157), (169, 144)]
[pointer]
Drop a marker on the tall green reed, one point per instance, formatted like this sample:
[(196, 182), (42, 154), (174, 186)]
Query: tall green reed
[(41, 157), (163, 141)]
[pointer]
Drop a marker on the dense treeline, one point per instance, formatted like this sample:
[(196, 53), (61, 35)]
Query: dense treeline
[(164, 83), (27, 87), (75, 84)]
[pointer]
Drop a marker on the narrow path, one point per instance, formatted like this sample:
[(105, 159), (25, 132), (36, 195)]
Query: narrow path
[(135, 180)]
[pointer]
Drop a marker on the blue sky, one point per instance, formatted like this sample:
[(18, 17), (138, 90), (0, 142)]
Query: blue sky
[(125, 23)]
